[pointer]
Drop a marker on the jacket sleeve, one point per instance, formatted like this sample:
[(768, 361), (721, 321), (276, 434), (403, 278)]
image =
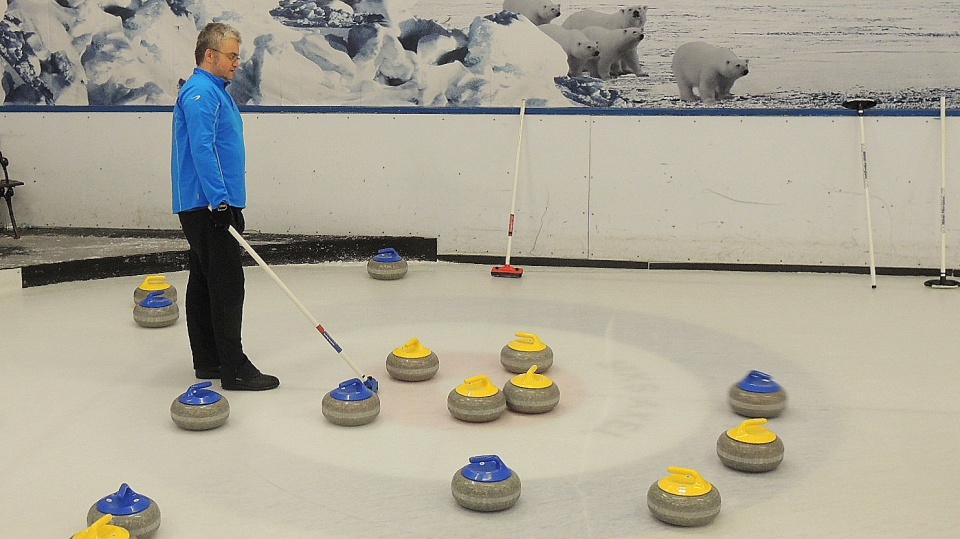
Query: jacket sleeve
[(201, 109)]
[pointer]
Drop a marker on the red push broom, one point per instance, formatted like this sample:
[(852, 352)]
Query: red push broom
[(506, 270)]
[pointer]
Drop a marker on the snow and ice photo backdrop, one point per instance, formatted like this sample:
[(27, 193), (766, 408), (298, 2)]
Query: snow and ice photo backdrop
[(471, 53)]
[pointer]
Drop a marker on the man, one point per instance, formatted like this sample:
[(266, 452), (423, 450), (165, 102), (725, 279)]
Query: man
[(209, 192)]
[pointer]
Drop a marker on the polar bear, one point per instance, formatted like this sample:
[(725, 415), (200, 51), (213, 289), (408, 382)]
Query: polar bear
[(538, 11), (576, 44), (618, 45), (625, 17), (712, 70)]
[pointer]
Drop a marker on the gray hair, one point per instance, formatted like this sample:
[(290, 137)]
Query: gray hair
[(212, 37)]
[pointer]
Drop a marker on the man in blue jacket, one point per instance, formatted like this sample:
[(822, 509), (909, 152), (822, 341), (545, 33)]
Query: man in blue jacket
[(209, 192)]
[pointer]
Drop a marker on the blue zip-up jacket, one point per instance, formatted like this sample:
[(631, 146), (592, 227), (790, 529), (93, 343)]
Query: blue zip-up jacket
[(208, 157)]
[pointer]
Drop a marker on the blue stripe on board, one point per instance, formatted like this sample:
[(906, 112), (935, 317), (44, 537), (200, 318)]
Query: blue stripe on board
[(478, 111)]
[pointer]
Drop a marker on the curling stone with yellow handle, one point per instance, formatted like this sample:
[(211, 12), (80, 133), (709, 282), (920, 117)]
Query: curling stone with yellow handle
[(750, 447), (757, 395), (134, 512), (412, 362), (102, 529), (477, 400), (154, 283), (531, 393), (684, 498), (527, 350), (486, 484)]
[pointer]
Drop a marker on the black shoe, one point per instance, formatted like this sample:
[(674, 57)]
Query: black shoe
[(258, 382), (208, 374)]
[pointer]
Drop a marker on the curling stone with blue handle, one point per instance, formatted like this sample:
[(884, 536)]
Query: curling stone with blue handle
[(154, 283), (527, 350), (156, 311), (757, 395), (684, 498), (134, 512), (102, 529), (750, 447), (351, 404), (477, 400), (200, 408), (413, 362), (387, 265), (486, 484), (531, 393)]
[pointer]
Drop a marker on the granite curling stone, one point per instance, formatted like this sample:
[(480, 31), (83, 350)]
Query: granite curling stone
[(528, 350), (412, 362), (156, 311), (351, 404), (200, 408), (102, 529), (133, 512), (684, 498), (477, 400), (750, 447), (154, 283), (757, 395), (486, 484), (531, 393), (387, 265)]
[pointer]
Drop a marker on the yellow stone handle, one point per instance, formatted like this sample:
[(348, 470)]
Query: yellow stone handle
[(155, 282), (477, 386), (751, 432), (684, 482), (527, 342), (412, 349)]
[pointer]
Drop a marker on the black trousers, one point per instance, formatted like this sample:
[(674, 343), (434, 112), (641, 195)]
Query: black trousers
[(214, 298)]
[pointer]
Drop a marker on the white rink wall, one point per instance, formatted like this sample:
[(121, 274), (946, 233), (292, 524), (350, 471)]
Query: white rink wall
[(648, 187)]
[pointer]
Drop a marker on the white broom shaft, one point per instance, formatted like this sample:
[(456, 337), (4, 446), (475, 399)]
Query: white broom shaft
[(516, 181), (247, 247), (866, 195), (943, 186)]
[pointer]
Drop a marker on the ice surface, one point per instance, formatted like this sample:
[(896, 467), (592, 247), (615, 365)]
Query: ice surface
[(643, 360)]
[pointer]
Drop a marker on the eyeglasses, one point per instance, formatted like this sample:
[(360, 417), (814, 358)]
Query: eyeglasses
[(233, 57)]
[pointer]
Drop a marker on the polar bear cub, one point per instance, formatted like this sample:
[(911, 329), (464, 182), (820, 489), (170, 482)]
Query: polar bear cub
[(625, 17), (538, 11), (576, 44), (711, 70), (616, 46)]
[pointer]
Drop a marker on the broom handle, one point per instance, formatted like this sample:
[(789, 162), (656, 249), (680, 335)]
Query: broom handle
[(943, 186), (866, 196), (516, 180), (316, 324)]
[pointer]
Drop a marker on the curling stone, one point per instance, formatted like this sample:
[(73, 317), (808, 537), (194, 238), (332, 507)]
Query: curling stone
[(134, 512), (486, 484), (531, 393), (757, 395), (684, 498), (387, 265), (156, 311), (154, 283), (351, 404), (200, 408), (520, 354), (750, 447), (477, 400), (102, 529), (412, 362)]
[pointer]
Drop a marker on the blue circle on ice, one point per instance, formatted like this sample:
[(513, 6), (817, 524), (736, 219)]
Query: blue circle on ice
[(759, 382), (486, 469)]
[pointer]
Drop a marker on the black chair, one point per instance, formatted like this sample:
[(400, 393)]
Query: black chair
[(6, 192)]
